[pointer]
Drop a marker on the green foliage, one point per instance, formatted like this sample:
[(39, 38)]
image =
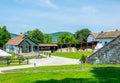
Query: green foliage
[(66, 38), (28, 32), (4, 36), (35, 35), (55, 36), (83, 58), (75, 55), (82, 34), (47, 38)]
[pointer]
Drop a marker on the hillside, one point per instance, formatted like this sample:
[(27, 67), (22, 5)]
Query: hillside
[(56, 34), (13, 35)]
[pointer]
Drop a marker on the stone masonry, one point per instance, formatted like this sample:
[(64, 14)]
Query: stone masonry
[(109, 54)]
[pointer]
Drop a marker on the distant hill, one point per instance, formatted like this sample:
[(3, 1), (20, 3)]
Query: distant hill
[(13, 35), (56, 34)]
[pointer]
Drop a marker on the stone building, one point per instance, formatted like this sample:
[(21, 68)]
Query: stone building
[(108, 54)]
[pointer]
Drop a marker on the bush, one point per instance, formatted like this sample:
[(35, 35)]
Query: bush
[(83, 58)]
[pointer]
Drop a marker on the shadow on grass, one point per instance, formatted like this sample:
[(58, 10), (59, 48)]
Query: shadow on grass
[(102, 75), (68, 80), (107, 74)]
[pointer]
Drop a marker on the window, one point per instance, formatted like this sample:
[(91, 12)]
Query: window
[(105, 42)]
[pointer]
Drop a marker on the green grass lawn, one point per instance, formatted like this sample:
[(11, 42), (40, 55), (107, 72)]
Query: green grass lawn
[(12, 64), (80, 76), (75, 55), (67, 67)]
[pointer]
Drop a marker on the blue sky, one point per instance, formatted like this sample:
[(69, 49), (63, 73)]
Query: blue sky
[(60, 15)]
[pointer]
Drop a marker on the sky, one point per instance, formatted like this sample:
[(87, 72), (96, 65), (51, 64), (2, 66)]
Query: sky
[(60, 15)]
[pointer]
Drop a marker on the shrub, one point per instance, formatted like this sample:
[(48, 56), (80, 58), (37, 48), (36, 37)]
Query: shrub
[(83, 58)]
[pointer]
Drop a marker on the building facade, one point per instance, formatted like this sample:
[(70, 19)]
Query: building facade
[(103, 37), (21, 44), (109, 54)]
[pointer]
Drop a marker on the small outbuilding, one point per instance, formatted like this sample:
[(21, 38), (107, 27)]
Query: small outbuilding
[(21, 44)]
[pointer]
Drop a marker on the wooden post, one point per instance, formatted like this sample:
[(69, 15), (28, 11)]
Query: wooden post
[(81, 45), (61, 47), (20, 49), (27, 49), (86, 45), (37, 48), (32, 49), (92, 46)]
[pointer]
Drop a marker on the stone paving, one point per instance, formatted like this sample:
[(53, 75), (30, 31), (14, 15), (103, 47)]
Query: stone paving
[(49, 61)]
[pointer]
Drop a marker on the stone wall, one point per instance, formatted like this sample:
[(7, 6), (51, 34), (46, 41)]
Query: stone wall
[(69, 49), (109, 54)]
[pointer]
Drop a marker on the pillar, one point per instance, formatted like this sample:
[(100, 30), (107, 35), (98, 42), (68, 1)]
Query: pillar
[(61, 47), (32, 49), (20, 49)]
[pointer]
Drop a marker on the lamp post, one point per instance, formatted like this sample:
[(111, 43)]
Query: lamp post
[(34, 65)]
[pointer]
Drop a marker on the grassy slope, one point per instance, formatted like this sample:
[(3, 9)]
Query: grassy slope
[(89, 76), (75, 55)]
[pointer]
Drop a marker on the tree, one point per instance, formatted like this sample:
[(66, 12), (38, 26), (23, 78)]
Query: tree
[(36, 35), (82, 34), (28, 33), (4, 36), (47, 38), (66, 38)]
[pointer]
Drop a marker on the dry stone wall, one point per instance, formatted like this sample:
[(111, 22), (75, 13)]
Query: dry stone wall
[(109, 54)]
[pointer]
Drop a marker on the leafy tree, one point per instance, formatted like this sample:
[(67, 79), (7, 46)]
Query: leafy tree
[(66, 38), (82, 34), (73, 39), (47, 38), (36, 35), (4, 36), (28, 32)]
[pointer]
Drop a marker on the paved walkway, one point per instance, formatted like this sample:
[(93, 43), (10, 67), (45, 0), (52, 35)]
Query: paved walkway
[(50, 61)]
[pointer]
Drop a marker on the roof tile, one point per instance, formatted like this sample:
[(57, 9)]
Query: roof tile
[(16, 40)]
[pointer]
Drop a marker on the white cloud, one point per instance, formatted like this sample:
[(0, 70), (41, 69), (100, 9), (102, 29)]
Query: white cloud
[(43, 3), (49, 4)]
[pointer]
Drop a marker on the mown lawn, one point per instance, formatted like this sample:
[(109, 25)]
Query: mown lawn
[(93, 76), (75, 55), (73, 76), (15, 64), (67, 67)]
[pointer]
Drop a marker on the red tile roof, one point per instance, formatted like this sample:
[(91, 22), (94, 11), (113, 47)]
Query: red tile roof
[(16, 40)]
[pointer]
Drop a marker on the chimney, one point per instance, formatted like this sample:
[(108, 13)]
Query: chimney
[(116, 30), (101, 31), (21, 33)]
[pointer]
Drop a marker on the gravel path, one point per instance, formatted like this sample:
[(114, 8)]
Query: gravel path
[(50, 61)]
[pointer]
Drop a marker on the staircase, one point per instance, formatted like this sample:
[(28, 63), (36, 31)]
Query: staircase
[(109, 54)]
